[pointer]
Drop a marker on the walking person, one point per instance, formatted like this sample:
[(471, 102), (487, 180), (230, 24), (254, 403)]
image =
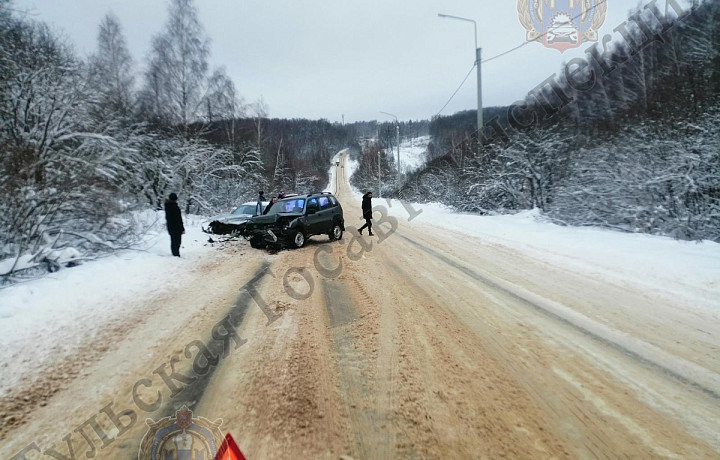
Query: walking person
[(259, 205), (367, 213), (175, 227)]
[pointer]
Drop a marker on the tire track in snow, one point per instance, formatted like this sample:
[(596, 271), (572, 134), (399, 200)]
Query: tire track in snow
[(646, 354), (193, 393)]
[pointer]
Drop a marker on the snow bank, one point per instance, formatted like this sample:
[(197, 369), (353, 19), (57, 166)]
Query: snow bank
[(413, 153), (69, 305), (352, 166), (688, 270), (23, 262)]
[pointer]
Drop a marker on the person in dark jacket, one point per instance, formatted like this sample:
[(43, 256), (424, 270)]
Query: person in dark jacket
[(273, 200), (367, 213), (175, 226)]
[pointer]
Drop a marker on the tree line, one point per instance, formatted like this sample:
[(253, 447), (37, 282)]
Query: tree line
[(626, 138), (86, 143)]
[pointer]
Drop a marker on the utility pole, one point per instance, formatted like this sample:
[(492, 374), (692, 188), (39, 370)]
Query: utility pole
[(480, 124), (397, 130), (379, 180), (478, 64)]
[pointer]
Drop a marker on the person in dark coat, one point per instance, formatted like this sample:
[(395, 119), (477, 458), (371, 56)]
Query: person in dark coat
[(367, 213), (175, 226), (273, 200)]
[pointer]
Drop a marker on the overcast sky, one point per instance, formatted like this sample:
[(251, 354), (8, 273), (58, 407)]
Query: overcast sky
[(325, 58)]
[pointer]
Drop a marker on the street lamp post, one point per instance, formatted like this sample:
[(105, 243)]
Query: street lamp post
[(337, 171), (397, 134), (478, 63)]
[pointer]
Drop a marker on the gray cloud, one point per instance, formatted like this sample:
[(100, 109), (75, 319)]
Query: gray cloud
[(325, 58)]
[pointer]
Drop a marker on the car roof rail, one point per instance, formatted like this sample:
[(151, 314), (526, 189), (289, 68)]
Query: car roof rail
[(319, 193)]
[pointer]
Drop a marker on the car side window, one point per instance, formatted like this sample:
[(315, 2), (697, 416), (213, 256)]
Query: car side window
[(332, 200), (324, 202), (312, 202)]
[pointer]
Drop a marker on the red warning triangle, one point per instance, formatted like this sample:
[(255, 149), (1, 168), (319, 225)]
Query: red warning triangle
[(229, 450)]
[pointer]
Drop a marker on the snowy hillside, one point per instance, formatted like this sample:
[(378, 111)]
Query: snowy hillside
[(413, 153)]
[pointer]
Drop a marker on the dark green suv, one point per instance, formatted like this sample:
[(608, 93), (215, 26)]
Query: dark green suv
[(291, 221)]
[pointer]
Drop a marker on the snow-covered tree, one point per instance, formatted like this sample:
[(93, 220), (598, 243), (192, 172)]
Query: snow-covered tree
[(225, 106), (652, 179), (111, 74), (375, 169), (60, 179), (176, 78)]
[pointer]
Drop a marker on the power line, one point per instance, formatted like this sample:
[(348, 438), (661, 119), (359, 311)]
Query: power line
[(601, 2), (498, 56), (505, 53), (458, 89)]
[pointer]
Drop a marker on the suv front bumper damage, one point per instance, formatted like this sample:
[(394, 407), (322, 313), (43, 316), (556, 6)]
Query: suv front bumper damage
[(271, 237)]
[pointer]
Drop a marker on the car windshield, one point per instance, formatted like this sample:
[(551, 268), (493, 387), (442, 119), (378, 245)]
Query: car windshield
[(244, 209), (294, 205)]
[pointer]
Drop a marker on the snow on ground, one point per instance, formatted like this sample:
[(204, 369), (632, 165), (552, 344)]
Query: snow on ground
[(352, 166), (64, 308), (413, 153), (331, 186), (686, 270), (689, 271)]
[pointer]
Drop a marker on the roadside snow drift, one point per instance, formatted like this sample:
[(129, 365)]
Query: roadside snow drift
[(54, 314)]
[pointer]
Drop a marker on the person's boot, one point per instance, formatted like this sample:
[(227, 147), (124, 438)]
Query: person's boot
[(371, 234), (360, 230)]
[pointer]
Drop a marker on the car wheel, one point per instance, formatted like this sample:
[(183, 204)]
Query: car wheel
[(336, 233), (297, 239), (257, 242)]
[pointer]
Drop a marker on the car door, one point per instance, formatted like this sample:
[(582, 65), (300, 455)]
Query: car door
[(326, 214), (313, 217)]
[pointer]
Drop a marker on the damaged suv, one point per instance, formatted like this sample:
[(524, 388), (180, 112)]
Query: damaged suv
[(291, 221), (232, 222)]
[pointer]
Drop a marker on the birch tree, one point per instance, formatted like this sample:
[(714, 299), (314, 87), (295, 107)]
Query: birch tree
[(111, 73), (176, 80)]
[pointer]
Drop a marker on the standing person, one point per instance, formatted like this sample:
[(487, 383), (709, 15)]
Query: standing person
[(174, 221), (273, 200), (367, 213), (259, 205)]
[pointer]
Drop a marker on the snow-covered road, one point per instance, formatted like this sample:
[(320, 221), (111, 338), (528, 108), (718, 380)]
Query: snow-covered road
[(445, 336)]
